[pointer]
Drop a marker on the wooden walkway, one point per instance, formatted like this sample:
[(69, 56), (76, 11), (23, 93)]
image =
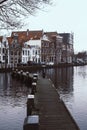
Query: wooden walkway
[(52, 111)]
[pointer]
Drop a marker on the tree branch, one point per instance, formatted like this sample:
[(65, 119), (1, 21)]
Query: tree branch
[(12, 11)]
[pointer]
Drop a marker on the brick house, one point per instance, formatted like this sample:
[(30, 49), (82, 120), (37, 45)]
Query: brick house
[(67, 47), (20, 52), (38, 46), (4, 52), (51, 49)]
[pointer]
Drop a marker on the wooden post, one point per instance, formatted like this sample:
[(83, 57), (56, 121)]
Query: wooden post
[(35, 79), (33, 88), (30, 104), (35, 75), (31, 123)]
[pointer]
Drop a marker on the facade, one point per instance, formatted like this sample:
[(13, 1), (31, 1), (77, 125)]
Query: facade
[(25, 53), (4, 52), (51, 48), (67, 47), (36, 46), (23, 47), (31, 51), (15, 50)]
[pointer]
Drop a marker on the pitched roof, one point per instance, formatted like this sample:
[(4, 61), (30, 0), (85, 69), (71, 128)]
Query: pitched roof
[(1, 37), (51, 34), (24, 36), (9, 40)]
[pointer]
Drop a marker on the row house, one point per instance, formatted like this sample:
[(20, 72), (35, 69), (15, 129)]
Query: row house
[(25, 46), (36, 46), (14, 51), (67, 47), (25, 53), (51, 48), (4, 52), (31, 51), (58, 48)]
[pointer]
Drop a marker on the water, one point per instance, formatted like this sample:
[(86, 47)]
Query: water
[(71, 84), (13, 97)]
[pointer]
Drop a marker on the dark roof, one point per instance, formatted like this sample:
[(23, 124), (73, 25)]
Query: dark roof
[(65, 36), (50, 35)]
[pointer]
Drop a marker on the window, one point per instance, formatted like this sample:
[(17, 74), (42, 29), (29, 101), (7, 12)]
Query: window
[(3, 57), (42, 44), (28, 52), (33, 52), (23, 52), (15, 52), (11, 58), (36, 52), (3, 50), (11, 52)]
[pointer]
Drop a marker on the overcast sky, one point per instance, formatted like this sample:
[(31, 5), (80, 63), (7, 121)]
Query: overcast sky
[(64, 16)]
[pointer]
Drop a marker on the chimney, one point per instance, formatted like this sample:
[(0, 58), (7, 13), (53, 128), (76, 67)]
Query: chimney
[(27, 32)]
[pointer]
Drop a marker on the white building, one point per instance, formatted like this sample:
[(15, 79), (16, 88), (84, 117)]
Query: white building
[(31, 51), (25, 53)]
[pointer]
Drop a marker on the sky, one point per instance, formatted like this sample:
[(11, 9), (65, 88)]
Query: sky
[(63, 16)]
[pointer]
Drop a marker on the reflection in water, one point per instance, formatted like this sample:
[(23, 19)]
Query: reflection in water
[(71, 84), (62, 79), (13, 96)]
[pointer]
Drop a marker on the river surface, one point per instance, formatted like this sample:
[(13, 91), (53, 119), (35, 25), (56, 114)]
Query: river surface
[(13, 97), (71, 84)]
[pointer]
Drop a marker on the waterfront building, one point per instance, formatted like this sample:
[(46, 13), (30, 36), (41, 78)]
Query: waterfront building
[(51, 48), (25, 53), (67, 47), (36, 46), (31, 51), (29, 46), (4, 52), (15, 49)]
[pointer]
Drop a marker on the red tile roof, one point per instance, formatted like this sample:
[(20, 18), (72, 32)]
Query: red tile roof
[(1, 38), (24, 36), (9, 40)]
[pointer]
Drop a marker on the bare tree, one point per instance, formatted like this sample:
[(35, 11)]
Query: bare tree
[(12, 12)]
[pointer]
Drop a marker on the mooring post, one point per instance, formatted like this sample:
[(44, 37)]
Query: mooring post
[(35, 75), (30, 104), (35, 79), (33, 88), (31, 123)]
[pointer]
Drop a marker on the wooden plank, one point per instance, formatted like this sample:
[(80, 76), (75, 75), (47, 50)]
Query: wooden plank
[(52, 111)]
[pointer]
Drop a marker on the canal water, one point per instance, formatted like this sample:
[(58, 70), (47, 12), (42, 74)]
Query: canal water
[(13, 97), (71, 84)]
